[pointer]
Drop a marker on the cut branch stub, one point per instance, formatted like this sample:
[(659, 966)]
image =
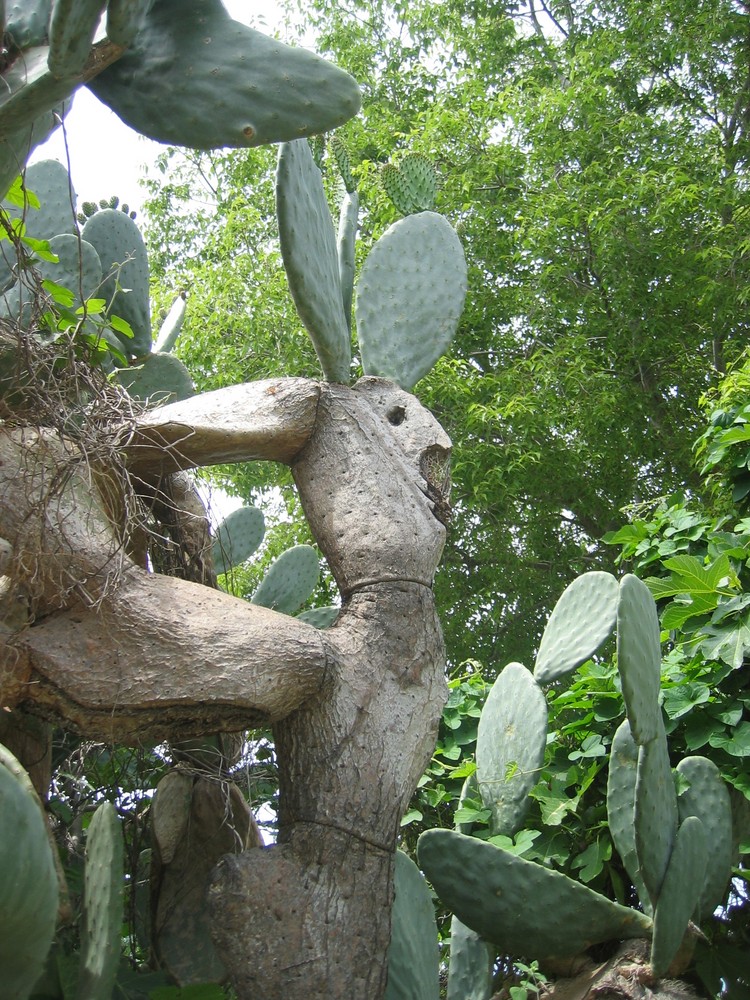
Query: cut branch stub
[(272, 420)]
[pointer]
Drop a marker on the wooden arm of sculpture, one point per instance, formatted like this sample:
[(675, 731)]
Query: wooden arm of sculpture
[(122, 653)]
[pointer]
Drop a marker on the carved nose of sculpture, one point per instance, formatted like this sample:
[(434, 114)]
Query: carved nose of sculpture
[(435, 469)]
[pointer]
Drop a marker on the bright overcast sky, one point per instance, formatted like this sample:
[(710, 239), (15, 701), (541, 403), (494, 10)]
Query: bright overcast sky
[(106, 156)]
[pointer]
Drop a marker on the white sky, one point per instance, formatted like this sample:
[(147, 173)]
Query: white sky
[(106, 156)]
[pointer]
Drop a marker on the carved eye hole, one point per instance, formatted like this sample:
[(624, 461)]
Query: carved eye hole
[(396, 415)]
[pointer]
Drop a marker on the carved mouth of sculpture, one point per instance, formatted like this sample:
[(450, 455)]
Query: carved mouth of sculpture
[(434, 467)]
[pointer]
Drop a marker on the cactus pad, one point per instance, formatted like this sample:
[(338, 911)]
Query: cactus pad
[(77, 269), (102, 906), (237, 537), (345, 246), (680, 893), (118, 241), (471, 964), (511, 739), (413, 968), (72, 27), (124, 18), (158, 379), (28, 881), (410, 297), (26, 22), (490, 890), (50, 182), (621, 781), (580, 622), (220, 83), (639, 658), (308, 246), (320, 617), (171, 327), (655, 814), (412, 185), (290, 580), (707, 798)]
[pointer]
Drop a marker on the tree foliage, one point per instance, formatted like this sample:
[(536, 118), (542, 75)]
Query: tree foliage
[(594, 159)]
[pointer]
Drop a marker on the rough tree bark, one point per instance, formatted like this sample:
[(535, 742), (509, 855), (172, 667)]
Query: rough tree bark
[(132, 655)]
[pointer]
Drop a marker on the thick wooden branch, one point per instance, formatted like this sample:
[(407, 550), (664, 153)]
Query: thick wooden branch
[(269, 420), (169, 656)]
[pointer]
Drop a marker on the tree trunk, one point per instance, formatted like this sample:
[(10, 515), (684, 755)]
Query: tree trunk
[(355, 709)]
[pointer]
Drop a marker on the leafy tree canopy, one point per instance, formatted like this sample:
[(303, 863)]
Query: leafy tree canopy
[(594, 159)]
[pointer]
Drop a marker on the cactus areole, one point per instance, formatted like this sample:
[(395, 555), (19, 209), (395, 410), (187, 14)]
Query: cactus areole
[(354, 708)]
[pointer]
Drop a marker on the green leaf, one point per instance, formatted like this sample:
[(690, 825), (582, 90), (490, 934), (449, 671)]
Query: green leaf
[(737, 743), (682, 698), (411, 816), (61, 295), (726, 644)]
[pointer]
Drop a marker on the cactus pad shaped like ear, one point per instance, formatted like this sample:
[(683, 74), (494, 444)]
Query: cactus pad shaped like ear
[(522, 907), (50, 182), (621, 782), (308, 246), (639, 658), (195, 77), (707, 797), (158, 379), (680, 893), (510, 746), (472, 961), (413, 967), (655, 815), (410, 297), (580, 622)]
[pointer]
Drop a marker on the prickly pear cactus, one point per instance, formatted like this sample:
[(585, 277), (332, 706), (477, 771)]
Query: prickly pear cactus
[(308, 246), (290, 580), (28, 882), (511, 739), (118, 241), (580, 622), (52, 213), (157, 379), (170, 329), (249, 90), (237, 537), (666, 843), (413, 967), (412, 185), (490, 889), (410, 297), (102, 906)]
